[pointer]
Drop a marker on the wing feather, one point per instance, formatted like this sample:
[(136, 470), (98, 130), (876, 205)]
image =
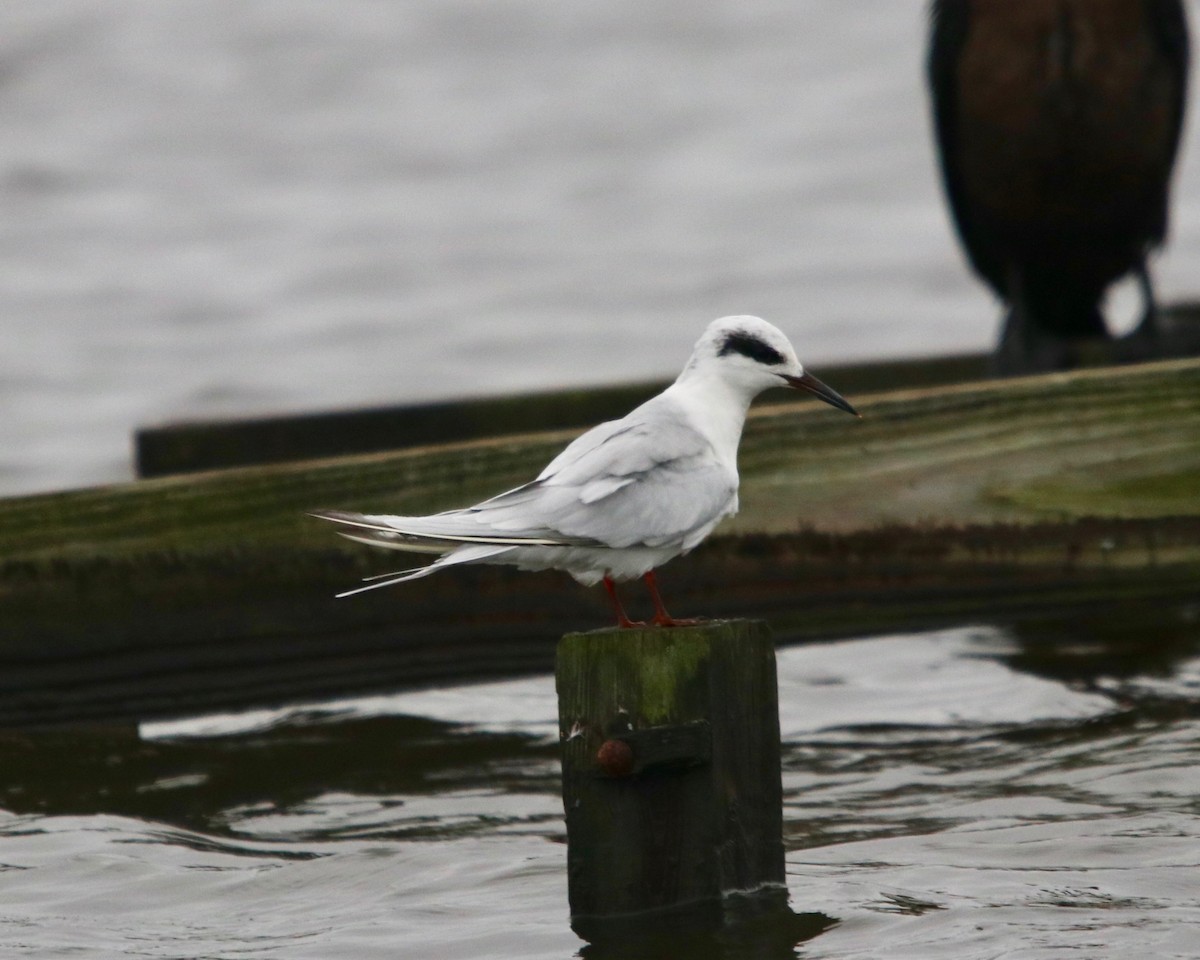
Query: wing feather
[(649, 479)]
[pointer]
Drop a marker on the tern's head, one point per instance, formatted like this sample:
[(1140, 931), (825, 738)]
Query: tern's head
[(751, 356)]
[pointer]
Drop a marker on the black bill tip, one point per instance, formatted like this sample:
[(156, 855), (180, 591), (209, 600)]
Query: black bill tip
[(814, 386)]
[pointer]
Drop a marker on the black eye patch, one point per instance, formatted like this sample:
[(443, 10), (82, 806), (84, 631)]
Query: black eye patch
[(752, 347)]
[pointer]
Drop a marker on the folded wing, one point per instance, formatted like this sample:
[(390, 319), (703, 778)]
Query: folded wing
[(649, 479)]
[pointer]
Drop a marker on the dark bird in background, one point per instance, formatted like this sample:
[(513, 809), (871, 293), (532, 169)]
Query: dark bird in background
[(1058, 122)]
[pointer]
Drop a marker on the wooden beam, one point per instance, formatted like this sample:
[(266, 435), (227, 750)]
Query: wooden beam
[(212, 445), (986, 500)]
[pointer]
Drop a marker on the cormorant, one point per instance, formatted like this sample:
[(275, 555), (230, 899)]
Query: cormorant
[(1058, 123)]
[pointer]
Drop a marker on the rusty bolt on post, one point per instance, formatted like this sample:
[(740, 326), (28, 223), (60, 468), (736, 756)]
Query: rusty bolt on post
[(615, 758)]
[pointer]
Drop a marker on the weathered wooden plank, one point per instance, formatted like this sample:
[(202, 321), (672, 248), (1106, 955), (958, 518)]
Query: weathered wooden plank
[(208, 445), (993, 500)]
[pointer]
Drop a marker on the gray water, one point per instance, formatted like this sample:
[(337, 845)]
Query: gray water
[(971, 793), (225, 207), (218, 207)]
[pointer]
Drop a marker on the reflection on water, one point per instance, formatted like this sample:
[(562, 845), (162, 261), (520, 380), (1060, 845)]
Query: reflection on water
[(964, 793), (307, 781), (740, 928)]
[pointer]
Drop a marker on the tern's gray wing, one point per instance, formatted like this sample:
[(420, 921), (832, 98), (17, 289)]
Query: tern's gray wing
[(649, 479)]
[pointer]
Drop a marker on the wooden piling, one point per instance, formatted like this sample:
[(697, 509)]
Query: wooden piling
[(671, 769)]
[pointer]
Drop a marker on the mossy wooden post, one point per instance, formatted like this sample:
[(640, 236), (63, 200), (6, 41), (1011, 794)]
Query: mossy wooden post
[(671, 768)]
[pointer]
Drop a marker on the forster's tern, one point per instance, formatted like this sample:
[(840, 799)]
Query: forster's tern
[(628, 495)]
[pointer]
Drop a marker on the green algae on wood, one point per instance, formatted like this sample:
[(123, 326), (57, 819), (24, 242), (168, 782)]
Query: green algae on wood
[(961, 454), (194, 592), (956, 454), (188, 447), (655, 662)]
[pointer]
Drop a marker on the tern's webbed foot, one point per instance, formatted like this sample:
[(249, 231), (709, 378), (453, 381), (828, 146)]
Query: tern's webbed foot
[(669, 621)]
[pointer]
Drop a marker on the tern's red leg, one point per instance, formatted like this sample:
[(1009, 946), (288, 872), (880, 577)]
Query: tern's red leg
[(622, 621), (661, 617)]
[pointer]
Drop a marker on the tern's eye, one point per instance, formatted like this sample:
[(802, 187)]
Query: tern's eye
[(751, 346)]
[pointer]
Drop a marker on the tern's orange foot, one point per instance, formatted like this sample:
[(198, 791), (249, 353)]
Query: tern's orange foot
[(676, 622)]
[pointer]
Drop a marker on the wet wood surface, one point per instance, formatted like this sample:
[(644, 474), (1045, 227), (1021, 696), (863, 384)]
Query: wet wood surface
[(671, 768), (189, 446), (985, 500)]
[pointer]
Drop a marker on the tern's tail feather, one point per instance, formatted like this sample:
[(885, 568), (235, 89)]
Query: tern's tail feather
[(463, 554), (378, 531), (457, 538), (439, 533), (387, 579)]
